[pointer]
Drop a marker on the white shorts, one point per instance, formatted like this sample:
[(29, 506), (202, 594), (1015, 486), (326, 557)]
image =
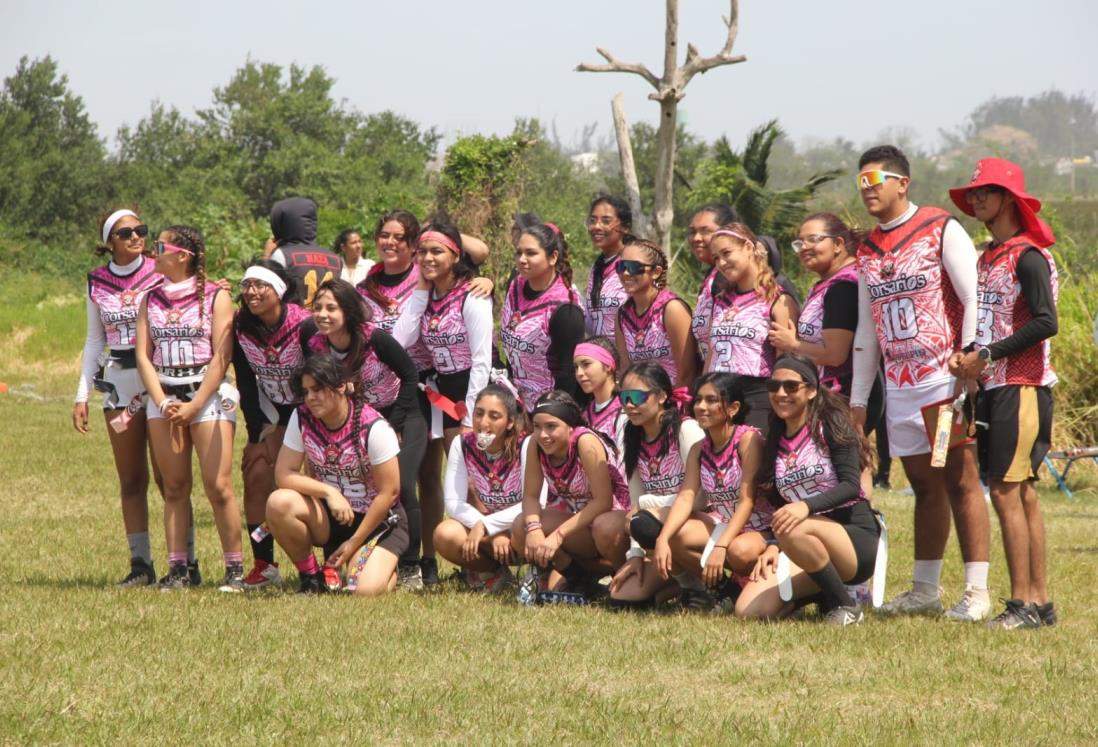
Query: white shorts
[(127, 386), (221, 406), (904, 415)]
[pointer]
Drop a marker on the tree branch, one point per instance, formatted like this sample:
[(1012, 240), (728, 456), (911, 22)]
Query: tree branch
[(697, 64), (617, 66), (628, 168)]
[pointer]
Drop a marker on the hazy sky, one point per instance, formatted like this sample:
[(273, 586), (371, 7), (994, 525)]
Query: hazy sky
[(825, 69)]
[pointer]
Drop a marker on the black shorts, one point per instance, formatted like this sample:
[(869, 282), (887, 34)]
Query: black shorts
[(395, 539), (454, 386), (1014, 431), (757, 400), (864, 532)]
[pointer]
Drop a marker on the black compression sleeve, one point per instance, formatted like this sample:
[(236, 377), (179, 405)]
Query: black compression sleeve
[(254, 420), (566, 330), (391, 354), (840, 307), (845, 460), (1036, 282)]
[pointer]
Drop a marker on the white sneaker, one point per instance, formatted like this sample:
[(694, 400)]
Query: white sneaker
[(974, 605), (913, 602), (409, 577)]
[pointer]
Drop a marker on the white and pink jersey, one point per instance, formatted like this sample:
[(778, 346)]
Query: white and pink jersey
[(118, 299), (603, 316), (702, 319), (738, 336), (379, 384), (721, 477), (660, 466), (810, 323), (337, 459), (568, 487), (803, 469), (608, 420), (386, 317), (181, 336), (524, 335), (273, 360), (442, 330), (915, 309), (1003, 310), (645, 335), (499, 483)]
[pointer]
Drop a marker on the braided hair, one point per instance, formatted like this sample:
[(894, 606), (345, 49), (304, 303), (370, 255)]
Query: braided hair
[(656, 257), (190, 238)]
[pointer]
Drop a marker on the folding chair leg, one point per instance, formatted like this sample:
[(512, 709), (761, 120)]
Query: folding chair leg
[(1058, 477)]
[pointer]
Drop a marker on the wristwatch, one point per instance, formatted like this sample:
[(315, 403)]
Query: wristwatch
[(985, 355)]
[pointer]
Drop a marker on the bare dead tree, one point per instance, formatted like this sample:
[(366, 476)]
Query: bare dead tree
[(670, 89)]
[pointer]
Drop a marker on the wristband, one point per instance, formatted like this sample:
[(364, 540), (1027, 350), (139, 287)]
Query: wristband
[(532, 526), (773, 543)]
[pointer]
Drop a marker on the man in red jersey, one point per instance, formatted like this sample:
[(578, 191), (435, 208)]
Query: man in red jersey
[(917, 307), (1017, 315)]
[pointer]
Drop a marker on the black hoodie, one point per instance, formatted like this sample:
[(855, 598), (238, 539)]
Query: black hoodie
[(293, 224)]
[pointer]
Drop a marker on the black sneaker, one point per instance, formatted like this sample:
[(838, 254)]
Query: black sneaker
[(194, 574), (882, 481), (312, 583), (234, 578), (1017, 615), (1047, 613), (177, 578), (141, 574), (697, 600), (429, 568), (843, 616)]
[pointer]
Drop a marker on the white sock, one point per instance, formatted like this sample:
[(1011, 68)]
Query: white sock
[(927, 575), (139, 546), (688, 580), (976, 575)]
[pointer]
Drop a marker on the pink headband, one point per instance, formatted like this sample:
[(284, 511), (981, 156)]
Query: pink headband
[(729, 232), (441, 238), (590, 350), (553, 227)]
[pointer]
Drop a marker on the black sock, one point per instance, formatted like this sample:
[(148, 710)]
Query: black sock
[(265, 548), (833, 589)]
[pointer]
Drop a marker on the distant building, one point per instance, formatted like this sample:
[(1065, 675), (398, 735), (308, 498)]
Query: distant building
[(588, 163)]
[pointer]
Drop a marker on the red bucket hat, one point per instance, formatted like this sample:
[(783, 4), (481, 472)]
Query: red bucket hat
[(999, 172)]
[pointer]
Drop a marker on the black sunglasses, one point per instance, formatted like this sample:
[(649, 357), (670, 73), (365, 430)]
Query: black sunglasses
[(127, 233), (789, 385), (635, 397), (631, 266)]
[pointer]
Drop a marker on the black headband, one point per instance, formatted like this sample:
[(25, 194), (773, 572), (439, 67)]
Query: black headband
[(565, 411), (807, 371)]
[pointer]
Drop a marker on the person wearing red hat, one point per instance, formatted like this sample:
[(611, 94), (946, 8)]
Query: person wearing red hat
[(1017, 300), (917, 307)]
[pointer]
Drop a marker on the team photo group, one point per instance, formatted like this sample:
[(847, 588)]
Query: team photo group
[(605, 442)]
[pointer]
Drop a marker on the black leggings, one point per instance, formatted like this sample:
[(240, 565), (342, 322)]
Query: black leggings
[(413, 445)]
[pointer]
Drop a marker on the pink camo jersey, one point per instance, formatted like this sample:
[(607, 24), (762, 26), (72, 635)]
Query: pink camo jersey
[(915, 309), (721, 477), (810, 322), (499, 483), (336, 459), (178, 339), (274, 360), (602, 317), (661, 474), (803, 469), (386, 318), (606, 420), (568, 487), (524, 335), (379, 384), (1003, 310), (645, 335), (442, 330), (738, 335), (118, 299), (702, 319)]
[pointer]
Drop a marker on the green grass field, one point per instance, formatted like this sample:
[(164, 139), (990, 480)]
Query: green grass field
[(82, 663)]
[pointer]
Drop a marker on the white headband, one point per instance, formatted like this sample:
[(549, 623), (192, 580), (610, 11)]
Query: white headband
[(113, 218), (264, 275)]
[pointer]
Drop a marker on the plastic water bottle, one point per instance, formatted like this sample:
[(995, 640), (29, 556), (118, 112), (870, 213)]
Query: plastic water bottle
[(528, 587)]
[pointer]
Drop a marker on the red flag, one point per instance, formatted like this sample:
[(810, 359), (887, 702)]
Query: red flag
[(456, 410)]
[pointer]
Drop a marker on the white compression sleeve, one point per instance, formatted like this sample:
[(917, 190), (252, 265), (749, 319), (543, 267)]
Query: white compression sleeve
[(95, 340), (959, 261), (478, 325), (867, 350)]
